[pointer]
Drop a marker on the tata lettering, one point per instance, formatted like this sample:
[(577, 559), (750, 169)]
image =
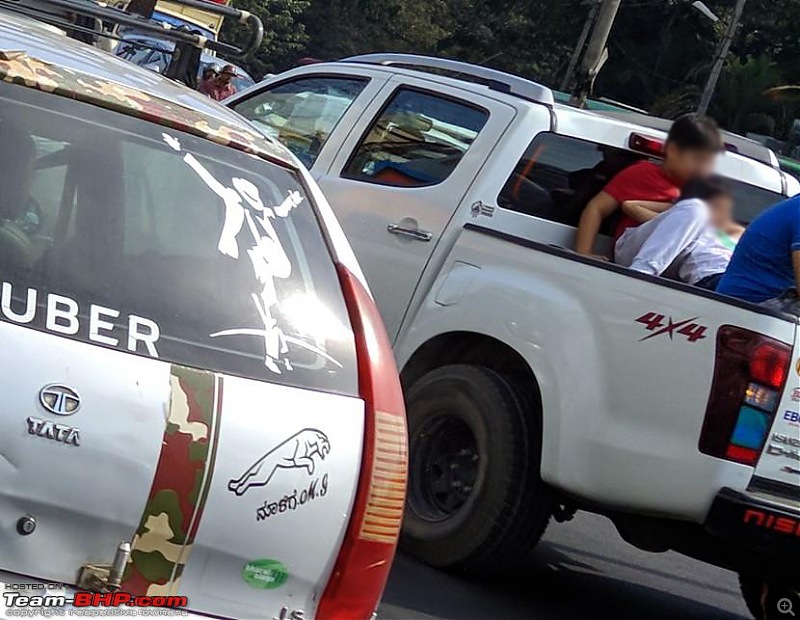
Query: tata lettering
[(53, 431), (61, 314)]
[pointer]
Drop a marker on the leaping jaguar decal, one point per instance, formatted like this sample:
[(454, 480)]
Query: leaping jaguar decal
[(300, 451)]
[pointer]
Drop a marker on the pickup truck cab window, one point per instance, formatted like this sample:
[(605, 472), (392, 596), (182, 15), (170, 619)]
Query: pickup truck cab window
[(558, 175), (302, 113), (417, 140)]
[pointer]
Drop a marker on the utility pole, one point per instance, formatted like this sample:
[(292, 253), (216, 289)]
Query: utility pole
[(596, 52), (722, 55), (579, 47)]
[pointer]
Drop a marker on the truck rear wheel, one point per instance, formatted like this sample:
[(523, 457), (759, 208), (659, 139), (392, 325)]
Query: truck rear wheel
[(767, 599), (475, 497)]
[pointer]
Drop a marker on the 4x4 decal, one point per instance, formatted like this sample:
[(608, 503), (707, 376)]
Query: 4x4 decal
[(667, 326)]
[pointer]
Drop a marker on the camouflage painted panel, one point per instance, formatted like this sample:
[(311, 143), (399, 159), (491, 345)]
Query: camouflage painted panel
[(164, 539), (17, 67)]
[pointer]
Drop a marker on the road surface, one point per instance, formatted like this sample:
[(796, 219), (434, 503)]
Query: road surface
[(581, 570)]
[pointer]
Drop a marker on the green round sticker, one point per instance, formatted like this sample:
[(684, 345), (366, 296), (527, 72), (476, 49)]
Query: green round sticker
[(265, 574)]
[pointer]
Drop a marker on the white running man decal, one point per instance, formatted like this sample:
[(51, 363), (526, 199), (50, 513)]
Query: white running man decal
[(243, 205)]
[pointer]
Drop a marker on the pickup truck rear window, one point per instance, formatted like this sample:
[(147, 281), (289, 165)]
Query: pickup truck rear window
[(417, 140), (130, 235), (558, 175)]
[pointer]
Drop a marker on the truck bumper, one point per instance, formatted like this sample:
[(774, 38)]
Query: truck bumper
[(768, 530)]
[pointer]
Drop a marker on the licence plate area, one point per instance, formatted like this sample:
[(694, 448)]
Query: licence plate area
[(761, 525)]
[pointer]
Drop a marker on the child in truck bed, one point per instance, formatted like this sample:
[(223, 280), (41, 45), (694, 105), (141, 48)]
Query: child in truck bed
[(690, 152), (692, 241)]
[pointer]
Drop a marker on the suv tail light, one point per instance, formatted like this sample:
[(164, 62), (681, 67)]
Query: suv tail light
[(362, 568), (749, 376)]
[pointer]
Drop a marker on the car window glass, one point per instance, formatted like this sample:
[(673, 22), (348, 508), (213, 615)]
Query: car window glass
[(417, 140), (166, 245), (750, 200), (135, 53), (302, 113), (47, 189), (158, 62), (558, 175)]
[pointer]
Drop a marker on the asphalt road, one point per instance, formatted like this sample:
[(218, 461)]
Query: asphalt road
[(581, 570)]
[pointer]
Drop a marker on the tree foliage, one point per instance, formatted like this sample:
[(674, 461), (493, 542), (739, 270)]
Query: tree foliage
[(284, 33), (339, 28), (741, 92), (660, 52)]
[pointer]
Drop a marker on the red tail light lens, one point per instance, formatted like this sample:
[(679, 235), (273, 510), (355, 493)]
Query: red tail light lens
[(745, 456), (769, 364), (362, 568), (749, 373), (646, 144)]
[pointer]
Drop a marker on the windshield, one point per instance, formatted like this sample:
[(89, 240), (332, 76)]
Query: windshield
[(126, 234)]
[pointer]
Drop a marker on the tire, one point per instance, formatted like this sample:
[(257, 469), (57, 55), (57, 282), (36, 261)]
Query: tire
[(475, 499), (763, 597)]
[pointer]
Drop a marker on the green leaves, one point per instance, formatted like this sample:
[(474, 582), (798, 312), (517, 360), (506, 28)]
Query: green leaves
[(660, 51), (284, 33)]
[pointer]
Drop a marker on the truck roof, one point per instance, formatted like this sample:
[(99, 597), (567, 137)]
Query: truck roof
[(47, 45), (739, 144), (616, 130), (750, 164), (492, 79)]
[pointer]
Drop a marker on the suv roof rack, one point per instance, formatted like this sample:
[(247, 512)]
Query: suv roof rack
[(494, 79), (188, 45)]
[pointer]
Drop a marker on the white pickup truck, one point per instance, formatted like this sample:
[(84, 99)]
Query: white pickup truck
[(537, 381)]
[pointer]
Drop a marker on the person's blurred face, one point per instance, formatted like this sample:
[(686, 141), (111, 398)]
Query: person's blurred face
[(721, 211), (688, 164), (224, 78)]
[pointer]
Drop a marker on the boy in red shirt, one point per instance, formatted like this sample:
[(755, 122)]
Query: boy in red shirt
[(690, 152)]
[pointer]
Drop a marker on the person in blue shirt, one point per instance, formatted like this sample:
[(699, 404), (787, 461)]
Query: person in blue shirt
[(766, 263)]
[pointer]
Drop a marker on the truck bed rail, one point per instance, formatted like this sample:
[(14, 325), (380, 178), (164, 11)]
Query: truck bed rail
[(660, 281)]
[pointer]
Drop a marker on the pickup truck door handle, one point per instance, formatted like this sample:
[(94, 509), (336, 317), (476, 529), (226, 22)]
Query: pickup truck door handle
[(411, 233)]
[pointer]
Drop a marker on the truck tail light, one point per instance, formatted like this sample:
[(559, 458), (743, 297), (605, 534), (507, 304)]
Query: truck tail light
[(749, 376), (769, 364), (362, 568), (646, 144)]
